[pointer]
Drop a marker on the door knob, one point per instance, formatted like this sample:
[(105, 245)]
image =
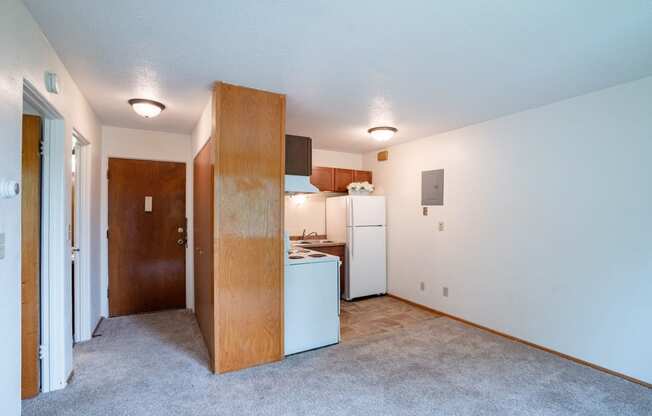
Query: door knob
[(181, 242)]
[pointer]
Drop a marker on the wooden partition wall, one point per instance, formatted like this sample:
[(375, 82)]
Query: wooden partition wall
[(239, 283)]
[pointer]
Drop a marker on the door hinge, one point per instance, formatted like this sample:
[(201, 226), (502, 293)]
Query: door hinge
[(42, 352), (108, 176), (107, 292), (41, 148), (107, 233)]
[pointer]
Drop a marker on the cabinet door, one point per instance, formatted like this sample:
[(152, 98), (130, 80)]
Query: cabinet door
[(343, 177), (322, 178), (339, 252), (298, 155), (362, 176)]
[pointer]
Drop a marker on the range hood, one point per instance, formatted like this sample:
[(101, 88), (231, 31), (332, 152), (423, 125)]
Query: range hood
[(295, 184), (298, 165)]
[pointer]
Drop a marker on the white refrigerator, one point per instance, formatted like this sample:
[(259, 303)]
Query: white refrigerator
[(359, 220)]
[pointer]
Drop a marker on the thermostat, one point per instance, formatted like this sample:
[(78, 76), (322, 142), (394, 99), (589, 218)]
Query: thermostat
[(9, 189)]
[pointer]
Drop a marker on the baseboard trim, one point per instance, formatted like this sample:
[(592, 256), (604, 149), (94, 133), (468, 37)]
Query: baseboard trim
[(97, 327), (528, 343)]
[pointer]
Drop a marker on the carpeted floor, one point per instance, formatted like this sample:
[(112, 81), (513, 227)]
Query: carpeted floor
[(156, 365)]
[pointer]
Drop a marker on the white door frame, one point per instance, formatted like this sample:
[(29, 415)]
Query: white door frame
[(82, 304), (55, 245)]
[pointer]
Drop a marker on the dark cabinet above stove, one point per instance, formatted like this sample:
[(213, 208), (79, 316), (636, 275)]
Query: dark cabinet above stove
[(298, 155)]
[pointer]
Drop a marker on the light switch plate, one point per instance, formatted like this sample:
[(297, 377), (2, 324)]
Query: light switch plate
[(148, 204), (2, 246)]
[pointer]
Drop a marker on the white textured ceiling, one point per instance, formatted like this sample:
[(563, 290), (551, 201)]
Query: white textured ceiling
[(424, 66)]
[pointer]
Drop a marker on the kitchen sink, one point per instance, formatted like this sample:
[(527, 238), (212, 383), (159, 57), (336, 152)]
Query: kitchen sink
[(304, 242)]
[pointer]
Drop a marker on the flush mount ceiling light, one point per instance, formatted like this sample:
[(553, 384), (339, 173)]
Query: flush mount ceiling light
[(382, 134), (146, 108)]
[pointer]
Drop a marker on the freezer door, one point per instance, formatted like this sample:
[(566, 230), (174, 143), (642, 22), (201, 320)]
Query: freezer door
[(367, 274), (365, 210)]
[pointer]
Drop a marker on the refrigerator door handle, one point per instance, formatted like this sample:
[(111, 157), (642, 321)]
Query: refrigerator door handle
[(352, 245)]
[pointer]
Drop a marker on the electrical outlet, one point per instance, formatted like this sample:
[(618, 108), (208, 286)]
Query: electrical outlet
[(445, 292), (441, 225), (425, 211), (2, 246), (422, 286)]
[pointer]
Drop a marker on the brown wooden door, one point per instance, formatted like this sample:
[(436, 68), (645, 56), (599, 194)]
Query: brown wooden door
[(343, 177), (30, 254), (203, 181), (147, 254)]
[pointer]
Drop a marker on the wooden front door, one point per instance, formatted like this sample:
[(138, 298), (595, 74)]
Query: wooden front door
[(30, 255), (147, 232)]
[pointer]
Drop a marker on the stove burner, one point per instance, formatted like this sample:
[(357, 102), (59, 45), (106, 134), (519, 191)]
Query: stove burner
[(317, 255), (296, 257)]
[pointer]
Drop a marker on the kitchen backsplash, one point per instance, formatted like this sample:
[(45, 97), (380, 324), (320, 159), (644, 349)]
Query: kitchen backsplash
[(305, 212)]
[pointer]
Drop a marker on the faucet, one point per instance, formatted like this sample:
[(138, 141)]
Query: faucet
[(304, 235)]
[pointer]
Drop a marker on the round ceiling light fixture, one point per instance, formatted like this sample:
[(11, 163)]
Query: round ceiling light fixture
[(382, 134), (146, 108)]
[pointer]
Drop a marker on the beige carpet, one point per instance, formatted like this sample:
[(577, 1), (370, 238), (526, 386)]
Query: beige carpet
[(156, 365)]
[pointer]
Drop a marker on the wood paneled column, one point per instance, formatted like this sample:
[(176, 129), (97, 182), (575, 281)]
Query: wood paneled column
[(248, 163)]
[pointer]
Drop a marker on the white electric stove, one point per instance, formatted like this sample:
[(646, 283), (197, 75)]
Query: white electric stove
[(312, 304)]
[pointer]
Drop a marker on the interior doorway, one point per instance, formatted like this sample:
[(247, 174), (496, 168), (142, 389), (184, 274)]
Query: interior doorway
[(31, 180), (50, 351), (78, 232), (147, 236)]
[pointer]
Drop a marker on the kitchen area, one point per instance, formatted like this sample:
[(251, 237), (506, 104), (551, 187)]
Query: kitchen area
[(335, 274)]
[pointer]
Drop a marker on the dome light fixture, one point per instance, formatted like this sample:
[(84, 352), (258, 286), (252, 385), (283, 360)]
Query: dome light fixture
[(146, 108), (383, 133)]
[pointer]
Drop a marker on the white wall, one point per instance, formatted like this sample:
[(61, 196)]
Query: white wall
[(305, 212), (335, 159), (548, 225), (202, 131), (26, 54), (309, 212), (147, 145)]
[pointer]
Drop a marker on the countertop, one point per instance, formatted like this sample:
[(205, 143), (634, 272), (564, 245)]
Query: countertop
[(317, 243)]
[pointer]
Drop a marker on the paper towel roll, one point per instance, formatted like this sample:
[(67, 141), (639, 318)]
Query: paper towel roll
[(9, 189)]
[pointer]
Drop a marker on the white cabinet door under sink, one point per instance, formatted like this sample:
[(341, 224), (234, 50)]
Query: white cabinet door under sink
[(367, 274)]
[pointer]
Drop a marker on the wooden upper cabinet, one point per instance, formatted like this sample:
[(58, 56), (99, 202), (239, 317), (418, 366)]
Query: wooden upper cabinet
[(362, 176), (298, 155), (323, 178), (336, 179), (343, 177)]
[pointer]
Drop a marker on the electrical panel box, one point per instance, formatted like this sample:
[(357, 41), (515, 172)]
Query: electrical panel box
[(432, 187)]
